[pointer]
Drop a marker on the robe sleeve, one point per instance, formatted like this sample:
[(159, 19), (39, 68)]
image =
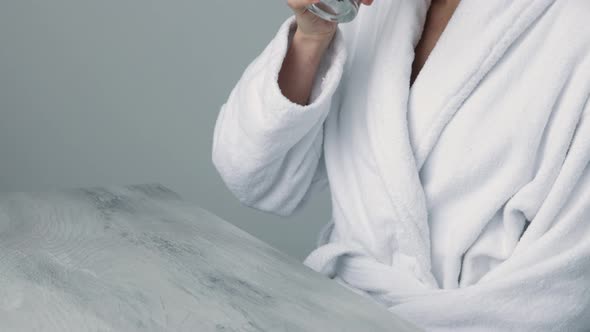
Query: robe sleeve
[(545, 284), (267, 149)]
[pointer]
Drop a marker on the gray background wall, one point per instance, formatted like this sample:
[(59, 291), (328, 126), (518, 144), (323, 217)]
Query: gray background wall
[(127, 92)]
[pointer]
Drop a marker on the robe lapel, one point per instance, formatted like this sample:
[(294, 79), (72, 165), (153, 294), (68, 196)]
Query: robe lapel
[(475, 39), (396, 30)]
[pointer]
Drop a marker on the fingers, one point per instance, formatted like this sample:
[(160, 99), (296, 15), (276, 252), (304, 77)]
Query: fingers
[(299, 6)]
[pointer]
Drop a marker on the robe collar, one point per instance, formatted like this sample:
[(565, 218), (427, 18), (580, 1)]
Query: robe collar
[(475, 39)]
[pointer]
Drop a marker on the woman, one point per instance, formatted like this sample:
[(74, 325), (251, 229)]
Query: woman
[(457, 161)]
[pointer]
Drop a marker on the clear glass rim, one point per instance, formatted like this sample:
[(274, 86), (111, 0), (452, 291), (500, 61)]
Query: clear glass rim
[(342, 18)]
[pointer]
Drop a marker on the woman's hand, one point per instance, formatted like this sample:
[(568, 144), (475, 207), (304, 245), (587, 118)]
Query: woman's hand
[(311, 26), (311, 39)]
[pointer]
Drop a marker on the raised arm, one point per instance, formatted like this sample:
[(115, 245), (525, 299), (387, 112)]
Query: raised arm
[(268, 138)]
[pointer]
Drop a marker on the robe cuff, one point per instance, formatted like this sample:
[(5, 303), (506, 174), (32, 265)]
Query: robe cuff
[(327, 76), (278, 122)]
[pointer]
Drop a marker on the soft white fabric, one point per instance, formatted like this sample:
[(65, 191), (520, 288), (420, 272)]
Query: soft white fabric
[(433, 186)]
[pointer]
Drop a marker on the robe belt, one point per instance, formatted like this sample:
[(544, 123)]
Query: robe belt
[(351, 263)]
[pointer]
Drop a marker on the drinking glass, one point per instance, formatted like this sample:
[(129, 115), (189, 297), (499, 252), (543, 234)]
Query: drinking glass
[(340, 11)]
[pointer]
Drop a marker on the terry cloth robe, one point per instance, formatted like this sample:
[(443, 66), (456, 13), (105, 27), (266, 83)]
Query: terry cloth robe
[(461, 203)]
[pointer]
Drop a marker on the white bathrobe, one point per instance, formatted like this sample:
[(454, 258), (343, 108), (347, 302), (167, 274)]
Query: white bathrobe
[(461, 203)]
